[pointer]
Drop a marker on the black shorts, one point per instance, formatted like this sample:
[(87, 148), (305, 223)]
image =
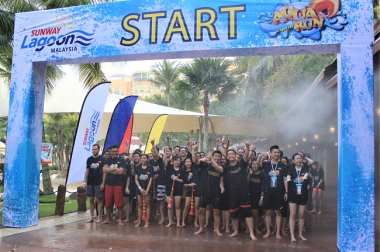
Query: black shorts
[(213, 200), (240, 204), (224, 202), (298, 199), (188, 192), (178, 191), (273, 201), (255, 199)]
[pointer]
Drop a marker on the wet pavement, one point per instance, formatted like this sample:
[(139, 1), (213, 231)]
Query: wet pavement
[(72, 233)]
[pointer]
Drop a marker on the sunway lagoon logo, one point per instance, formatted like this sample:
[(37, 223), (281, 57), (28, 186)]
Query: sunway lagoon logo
[(61, 38), (305, 18), (91, 130)]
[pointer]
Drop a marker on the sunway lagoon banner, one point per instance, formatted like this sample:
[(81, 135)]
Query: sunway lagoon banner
[(87, 131), (133, 27)]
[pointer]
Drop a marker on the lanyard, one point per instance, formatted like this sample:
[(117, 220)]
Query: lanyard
[(273, 169)]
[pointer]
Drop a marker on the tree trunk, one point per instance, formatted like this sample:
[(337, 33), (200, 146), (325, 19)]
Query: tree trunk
[(168, 96), (81, 199), (46, 181), (60, 203)]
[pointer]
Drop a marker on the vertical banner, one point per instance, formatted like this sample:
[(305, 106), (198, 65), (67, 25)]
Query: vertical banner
[(119, 121), (87, 130), (155, 132), (46, 153), (126, 142)]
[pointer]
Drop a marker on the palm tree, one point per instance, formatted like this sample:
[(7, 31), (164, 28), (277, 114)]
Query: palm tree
[(211, 78), (165, 74)]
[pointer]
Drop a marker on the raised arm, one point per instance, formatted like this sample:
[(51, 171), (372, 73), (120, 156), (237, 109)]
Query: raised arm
[(246, 152), (217, 167)]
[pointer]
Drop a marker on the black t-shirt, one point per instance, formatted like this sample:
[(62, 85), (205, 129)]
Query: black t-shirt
[(156, 165), (255, 183), (277, 172), (297, 178), (115, 179), (95, 166), (210, 180), (127, 174), (171, 173), (144, 175), (318, 176), (236, 176)]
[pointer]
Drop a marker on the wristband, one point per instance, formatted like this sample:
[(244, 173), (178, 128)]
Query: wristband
[(259, 156), (261, 198), (220, 145), (140, 188), (286, 192)]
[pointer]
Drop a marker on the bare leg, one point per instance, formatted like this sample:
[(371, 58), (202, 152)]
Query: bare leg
[(208, 214), (227, 217), (217, 221), (314, 198), (139, 210), (177, 203), (249, 221), (278, 223), (201, 220), (108, 215), (235, 226), (147, 205), (100, 209), (301, 221), (292, 220), (268, 219), (196, 206), (170, 216), (185, 211), (127, 206), (161, 210), (320, 193), (255, 214), (120, 213), (91, 210)]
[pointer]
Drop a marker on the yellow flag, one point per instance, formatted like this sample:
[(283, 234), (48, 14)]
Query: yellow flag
[(155, 132)]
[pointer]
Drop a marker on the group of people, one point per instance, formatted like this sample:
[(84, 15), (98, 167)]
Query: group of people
[(234, 185)]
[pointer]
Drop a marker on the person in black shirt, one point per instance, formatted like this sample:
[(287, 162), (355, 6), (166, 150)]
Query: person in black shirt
[(175, 177), (143, 180), (239, 196), (273, 195), (318, 186), (113, 170), (298, 196), (158, 186), (191, 187), (255, 180), (92, 182)]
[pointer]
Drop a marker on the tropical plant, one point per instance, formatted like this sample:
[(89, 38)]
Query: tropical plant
[(212, 79), (165, 74)]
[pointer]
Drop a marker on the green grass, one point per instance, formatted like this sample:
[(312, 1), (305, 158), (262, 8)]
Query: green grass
[(48, 209)]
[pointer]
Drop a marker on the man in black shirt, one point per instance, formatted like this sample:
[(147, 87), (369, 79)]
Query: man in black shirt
[(114, 169), (92, 182), (275, 189), (239, 196), (209, 188)]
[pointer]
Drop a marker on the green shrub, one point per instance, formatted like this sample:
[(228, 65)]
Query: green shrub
[(53, 167)]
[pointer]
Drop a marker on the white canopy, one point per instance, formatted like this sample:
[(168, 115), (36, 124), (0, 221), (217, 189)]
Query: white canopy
[(68, 96)]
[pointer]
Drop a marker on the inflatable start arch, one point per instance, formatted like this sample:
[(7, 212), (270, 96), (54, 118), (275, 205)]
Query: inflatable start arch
[(138, 30)]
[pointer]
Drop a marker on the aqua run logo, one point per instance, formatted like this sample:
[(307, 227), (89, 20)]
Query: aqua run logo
[(303, 18), (91, 131), (56, 37)]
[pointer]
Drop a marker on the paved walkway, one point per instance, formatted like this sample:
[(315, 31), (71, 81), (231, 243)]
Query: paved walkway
[(72, 233)]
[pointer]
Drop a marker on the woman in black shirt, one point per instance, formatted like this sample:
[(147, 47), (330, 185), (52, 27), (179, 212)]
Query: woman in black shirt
[(143, 179), (297, 183)]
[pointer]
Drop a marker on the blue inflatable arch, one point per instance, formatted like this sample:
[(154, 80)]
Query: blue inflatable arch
[(138, 30)]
